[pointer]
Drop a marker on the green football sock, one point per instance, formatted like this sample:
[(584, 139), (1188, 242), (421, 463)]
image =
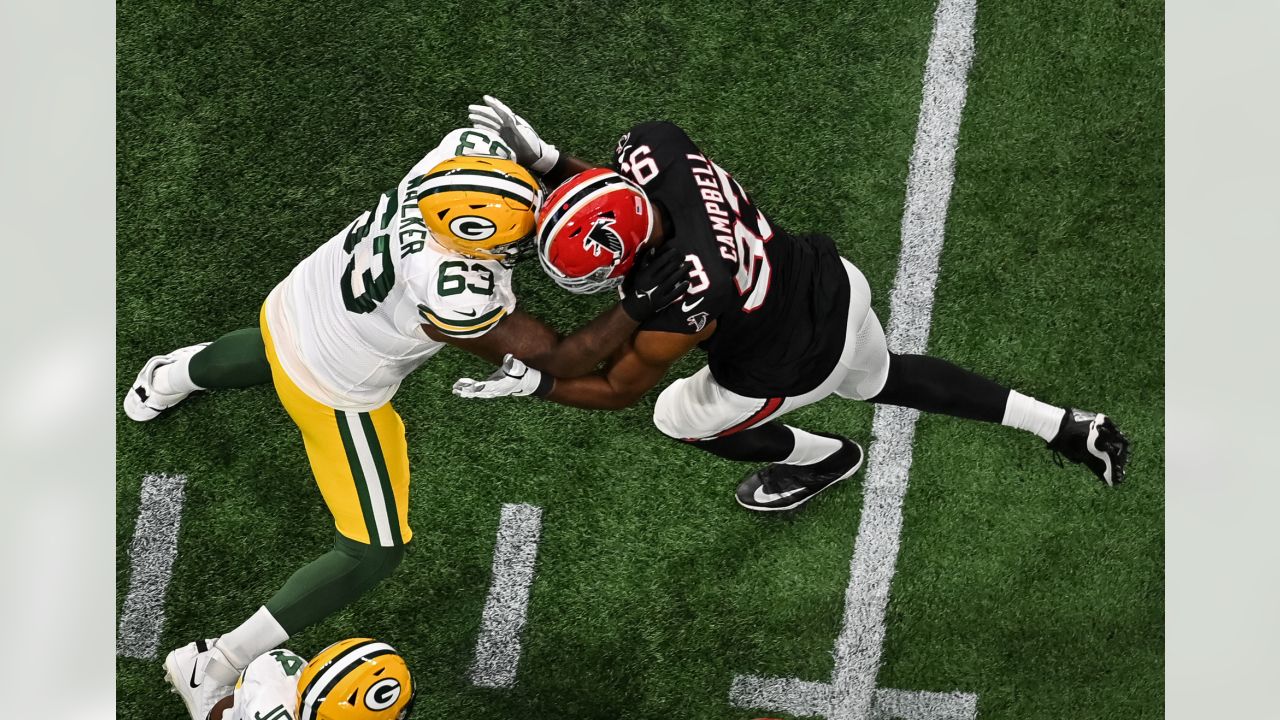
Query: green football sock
[(331, 582), (235, 360)]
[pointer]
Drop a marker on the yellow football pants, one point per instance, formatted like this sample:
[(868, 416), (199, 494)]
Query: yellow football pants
[(360, 460)]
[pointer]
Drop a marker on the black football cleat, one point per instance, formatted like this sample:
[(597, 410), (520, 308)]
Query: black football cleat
[(1092, 440), (776, 487)]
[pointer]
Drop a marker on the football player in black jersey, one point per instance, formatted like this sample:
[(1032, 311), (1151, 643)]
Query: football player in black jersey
[(784, 320)]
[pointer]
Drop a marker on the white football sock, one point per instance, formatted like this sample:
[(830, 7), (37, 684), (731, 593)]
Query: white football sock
[(235, 650), (175, 378), (810, 448), (1028, 413), (219, 669)]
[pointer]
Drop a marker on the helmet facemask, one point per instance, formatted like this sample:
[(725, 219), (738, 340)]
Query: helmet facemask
[(597, 281), (508, 255)]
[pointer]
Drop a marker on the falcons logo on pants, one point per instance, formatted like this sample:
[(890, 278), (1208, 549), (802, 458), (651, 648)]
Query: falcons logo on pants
[(603, 238)]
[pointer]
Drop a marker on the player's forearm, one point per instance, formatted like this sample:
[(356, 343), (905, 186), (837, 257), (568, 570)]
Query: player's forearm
[(592, 392), (566, 167), (586, 348)]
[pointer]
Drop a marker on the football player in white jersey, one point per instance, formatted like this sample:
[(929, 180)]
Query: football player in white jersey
[(429, 265), (355, 679)]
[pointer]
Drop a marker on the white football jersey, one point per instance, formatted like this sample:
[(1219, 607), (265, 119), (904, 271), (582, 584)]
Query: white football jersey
[(347, 322), (268, 688)]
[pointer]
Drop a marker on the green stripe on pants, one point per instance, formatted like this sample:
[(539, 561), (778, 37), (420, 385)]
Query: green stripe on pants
[(357, 473), (380, 464)]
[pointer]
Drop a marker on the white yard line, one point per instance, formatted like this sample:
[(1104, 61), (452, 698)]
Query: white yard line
[(505, 610), (151, 555), (875, 555), (786, 695), (908, 705), (852, 693)]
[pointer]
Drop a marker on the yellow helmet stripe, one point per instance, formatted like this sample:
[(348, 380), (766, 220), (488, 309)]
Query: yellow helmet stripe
[(315, 693)]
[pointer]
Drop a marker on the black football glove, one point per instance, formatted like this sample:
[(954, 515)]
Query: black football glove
[(657, 280)]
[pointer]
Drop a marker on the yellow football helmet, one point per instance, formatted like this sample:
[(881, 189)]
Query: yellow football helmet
[(356, 679), (481, 207)]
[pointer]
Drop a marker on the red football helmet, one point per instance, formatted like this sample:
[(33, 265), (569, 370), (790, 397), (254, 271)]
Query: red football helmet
[(590, 229)]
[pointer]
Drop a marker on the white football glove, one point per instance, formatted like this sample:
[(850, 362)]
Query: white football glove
[(530, 150), (513, 378)]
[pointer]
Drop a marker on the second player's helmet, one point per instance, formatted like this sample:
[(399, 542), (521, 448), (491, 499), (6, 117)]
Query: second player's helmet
[(590, 229), (356, 679), (481, 207)]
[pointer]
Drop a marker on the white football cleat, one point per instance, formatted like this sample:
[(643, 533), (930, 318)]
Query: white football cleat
[(143, 403), (184, 670)]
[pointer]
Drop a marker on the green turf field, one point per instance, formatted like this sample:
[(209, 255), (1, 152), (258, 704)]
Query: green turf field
[(249, 132)]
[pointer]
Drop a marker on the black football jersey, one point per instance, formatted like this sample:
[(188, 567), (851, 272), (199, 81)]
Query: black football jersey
[(780, 301)]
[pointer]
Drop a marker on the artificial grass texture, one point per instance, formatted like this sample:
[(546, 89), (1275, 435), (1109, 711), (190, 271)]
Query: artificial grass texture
[(250, 132)]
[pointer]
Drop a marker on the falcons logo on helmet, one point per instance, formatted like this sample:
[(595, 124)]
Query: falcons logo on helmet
[(603, 238)]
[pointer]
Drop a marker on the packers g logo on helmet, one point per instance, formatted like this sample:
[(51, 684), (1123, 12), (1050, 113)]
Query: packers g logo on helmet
[(356, 679), (479, 206)]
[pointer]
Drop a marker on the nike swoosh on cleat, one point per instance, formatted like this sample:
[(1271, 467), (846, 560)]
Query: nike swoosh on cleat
[(766, 497), (1091, 445), (193, 682)]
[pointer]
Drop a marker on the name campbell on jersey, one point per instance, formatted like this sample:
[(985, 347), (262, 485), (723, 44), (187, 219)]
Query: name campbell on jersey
[(347, 321), (780, 301)]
